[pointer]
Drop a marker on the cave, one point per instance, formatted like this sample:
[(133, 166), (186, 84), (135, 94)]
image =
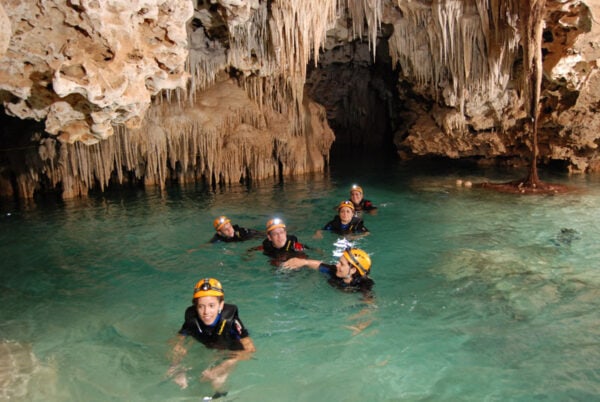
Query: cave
[(229, 93), (357, 87)]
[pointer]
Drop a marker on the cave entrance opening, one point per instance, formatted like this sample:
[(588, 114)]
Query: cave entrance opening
[(360, 95)]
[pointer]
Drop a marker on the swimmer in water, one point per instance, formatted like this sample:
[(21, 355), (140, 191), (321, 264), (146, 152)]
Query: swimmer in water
[(360, 203), (345, 222), (228, 232), (279, 245), (216, 325), (350, 273)]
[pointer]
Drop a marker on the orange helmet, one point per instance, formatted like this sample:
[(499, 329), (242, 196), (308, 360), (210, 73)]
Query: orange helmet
[(274, 224), (346, 204), (208, 287), (220, 222), (358, 259), (356, 187)]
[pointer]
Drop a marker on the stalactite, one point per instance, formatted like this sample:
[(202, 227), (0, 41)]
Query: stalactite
[(478, 59), (223, 138), (274, 46)]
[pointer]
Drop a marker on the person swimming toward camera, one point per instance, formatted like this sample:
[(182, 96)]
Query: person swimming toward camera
[(228, 232), (345, 222), (215, 324), (279, 245), (360, 203)]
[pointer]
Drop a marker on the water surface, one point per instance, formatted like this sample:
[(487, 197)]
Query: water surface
[(478, 295)]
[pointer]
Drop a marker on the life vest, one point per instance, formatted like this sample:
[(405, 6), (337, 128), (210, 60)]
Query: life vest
[(239, 234), (355, 225), (291, 245), (220, 335)]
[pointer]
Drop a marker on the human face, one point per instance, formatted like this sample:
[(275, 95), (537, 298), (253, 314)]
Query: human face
[(278, 237), (346, 215), (227, 230), (356, 197), (208, 308), (344, 270)]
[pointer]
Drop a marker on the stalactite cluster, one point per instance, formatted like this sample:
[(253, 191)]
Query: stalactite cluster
[(456, 50), (191, 143), (88, 69)]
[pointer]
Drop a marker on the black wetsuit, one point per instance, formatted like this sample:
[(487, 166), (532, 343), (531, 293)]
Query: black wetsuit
[(364, 205), (291, 248), (362, 284), (239, 234), (356, 225), (224, 334)]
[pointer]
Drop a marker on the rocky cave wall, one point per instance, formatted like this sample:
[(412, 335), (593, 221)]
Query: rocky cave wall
[(461, 86), (159, 90), (478, 87)]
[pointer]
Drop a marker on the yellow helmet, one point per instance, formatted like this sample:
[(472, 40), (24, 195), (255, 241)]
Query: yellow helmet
[(358, 259), (220, 221), (356, 187), (208, 287), (346, 204), (274, 224)]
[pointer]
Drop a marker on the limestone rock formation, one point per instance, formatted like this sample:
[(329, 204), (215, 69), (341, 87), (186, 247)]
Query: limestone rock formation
[(194, 142), (467, 61), (85, 65), (4, 31), (123, 88)]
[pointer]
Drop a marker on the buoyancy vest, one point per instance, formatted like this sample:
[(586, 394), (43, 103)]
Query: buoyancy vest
[(239, 234), (362, 284), (221, 335), (292, 245), (364, 205), (356, 225)]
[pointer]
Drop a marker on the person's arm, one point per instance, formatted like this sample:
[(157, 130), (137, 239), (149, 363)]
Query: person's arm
[(177, 354), (218, 375), (295, 263)]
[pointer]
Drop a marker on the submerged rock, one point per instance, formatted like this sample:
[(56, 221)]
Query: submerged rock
[(565, 237)]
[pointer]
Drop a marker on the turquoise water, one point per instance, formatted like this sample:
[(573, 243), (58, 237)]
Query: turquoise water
[(478, 296)]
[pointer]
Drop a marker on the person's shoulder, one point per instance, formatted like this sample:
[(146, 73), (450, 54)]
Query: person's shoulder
[(329, 269), (190, 313), (368, 205), (366, 282), (249, 233), (329, 224), (229, 310)]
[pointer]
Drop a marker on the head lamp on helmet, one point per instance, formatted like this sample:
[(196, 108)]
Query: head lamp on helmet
[(220, 222), (346, 204), (356, 187), (359, 259), (208, 287), (274, 224)]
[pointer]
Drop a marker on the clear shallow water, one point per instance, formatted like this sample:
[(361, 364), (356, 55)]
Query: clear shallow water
[(478, 296)]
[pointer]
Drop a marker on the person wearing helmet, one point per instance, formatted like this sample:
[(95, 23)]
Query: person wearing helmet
[(350, 273), (360, 203), (227, 232), (279, 245), (345, 222), (215, 324)]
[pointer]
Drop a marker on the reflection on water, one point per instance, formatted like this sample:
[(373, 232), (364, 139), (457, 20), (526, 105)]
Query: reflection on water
[(479, 296)]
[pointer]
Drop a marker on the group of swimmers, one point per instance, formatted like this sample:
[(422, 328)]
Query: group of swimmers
[(216, 324)]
